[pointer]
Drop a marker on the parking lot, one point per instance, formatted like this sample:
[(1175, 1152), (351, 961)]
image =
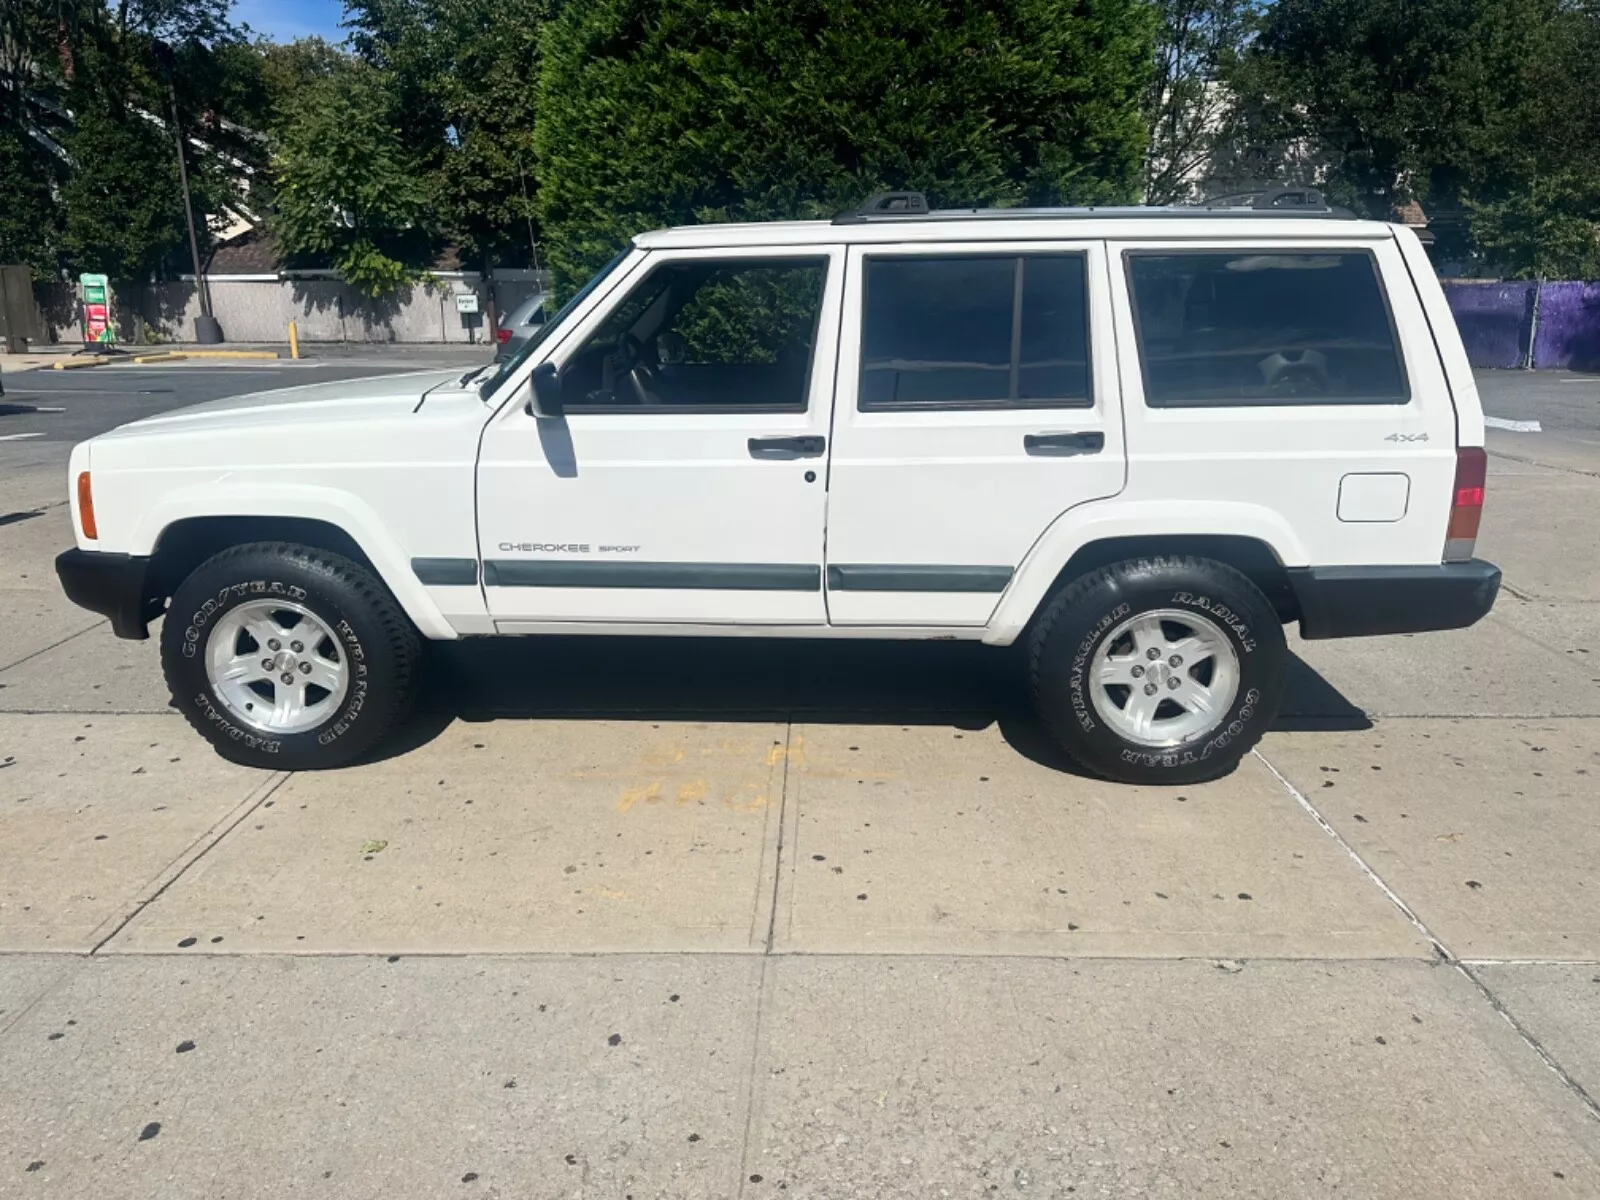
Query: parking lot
[(736, 918)]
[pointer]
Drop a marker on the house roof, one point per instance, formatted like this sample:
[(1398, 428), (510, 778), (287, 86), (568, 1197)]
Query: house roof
[(251, 253), (1410, 213)]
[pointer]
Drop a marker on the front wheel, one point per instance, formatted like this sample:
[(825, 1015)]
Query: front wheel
[(1162, 670), (287, 657)]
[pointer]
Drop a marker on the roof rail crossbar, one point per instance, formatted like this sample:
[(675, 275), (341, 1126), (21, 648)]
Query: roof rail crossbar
[(886, 204), (1276, 197)]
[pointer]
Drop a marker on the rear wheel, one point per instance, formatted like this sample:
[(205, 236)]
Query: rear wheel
[(288, 657), (1164, 670)]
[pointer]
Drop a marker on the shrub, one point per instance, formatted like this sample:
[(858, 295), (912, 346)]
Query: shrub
[(659, 112)]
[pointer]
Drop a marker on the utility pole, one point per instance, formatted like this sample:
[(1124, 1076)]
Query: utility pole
[(207, 329)]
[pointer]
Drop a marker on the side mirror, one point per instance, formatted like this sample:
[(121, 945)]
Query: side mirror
[(546, 398)]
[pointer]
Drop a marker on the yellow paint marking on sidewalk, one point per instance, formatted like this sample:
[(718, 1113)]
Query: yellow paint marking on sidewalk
[(649, 793), (72, 364), (734, 802), (164, 356)]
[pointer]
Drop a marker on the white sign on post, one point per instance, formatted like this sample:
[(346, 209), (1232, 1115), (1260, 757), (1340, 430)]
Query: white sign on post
[(466, 302)]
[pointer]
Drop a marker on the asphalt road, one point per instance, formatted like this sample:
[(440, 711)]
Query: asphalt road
[(45, 407), (1563, 402)]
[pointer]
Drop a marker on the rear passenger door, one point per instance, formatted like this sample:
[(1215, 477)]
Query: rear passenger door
[(1293, 374), (977, 401)]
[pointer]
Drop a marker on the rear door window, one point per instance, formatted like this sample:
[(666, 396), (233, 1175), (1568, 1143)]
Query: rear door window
[(1263, 327), (991, 331)]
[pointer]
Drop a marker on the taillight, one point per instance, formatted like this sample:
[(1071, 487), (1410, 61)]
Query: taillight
[(86, 507), (502, 336), (1466, 503)]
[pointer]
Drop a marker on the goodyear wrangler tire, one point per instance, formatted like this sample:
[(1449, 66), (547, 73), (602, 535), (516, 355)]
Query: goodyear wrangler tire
[(288, 657), (1158, 670)]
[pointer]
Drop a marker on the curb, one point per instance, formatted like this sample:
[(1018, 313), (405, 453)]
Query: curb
[(181, 355)]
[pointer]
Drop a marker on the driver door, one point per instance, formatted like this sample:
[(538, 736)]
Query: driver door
[(686, 482)]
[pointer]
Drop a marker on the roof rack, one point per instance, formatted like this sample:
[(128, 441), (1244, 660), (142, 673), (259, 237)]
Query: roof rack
[(887, 204), (1275, 197), (1279, 200)]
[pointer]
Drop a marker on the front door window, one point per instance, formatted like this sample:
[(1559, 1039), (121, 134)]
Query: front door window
[(696, 335)]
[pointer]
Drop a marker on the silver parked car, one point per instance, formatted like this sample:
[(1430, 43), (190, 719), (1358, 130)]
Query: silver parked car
[(521, 323)]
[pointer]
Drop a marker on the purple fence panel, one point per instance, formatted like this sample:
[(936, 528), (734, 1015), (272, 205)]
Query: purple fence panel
[(1494, 320), (1569, 326)]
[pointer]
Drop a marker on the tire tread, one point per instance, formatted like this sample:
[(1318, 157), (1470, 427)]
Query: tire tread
[(1069, 594), (404, 642)]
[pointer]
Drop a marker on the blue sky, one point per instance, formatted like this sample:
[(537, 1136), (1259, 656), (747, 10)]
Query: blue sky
[(285, 20)]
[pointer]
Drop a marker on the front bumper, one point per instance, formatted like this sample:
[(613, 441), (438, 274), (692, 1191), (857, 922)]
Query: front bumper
[(113, 585), (1369, 601)]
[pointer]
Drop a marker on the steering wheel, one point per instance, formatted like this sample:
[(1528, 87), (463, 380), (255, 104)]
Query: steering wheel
[(640, 374)]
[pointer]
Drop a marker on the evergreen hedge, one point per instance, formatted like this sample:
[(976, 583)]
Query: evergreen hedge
[(665, 112)]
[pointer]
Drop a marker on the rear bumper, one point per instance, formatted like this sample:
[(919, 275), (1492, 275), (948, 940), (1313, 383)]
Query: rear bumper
[(112, 585), (1368, 601)]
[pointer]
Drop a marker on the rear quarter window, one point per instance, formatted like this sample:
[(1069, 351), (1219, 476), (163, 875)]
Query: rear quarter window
[(1263, 327)]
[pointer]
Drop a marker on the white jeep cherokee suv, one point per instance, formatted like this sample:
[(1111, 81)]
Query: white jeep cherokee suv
[(1138, 439)]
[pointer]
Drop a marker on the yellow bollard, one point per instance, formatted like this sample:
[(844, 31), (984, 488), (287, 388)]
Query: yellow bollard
[(294, 341)]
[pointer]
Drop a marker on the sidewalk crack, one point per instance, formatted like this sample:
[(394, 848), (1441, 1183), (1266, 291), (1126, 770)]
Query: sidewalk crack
[(52, 646), (1439, 948), (211, 838), (777, 857), (751, 1086)]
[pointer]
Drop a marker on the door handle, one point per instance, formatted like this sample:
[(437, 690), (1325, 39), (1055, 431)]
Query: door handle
[(1063, 444), (786, 447)]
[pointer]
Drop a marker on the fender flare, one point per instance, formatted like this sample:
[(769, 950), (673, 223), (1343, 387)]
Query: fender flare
[(310, 502), (1102, 520)]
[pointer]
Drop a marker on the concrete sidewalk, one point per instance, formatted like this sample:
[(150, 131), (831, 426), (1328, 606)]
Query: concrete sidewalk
[(709, 920)]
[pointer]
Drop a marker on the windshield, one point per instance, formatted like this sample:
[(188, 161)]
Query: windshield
[(542, 334)]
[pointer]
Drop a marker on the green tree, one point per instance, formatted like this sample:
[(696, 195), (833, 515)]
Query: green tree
[(486, 90), (123, 200), (30, 161), (1482, 110), (347, 192), (30, 215), (464, 73), (657, 112), (288, 67), (1188, 101), (1533, 203), (97, 99)]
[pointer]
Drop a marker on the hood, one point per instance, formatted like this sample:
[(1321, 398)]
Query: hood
[(341, 398)]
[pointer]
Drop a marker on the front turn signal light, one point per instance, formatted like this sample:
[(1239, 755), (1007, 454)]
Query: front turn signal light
[(86, 507)]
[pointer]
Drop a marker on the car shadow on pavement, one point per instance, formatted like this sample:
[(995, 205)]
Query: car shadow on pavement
[(963, 685)]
